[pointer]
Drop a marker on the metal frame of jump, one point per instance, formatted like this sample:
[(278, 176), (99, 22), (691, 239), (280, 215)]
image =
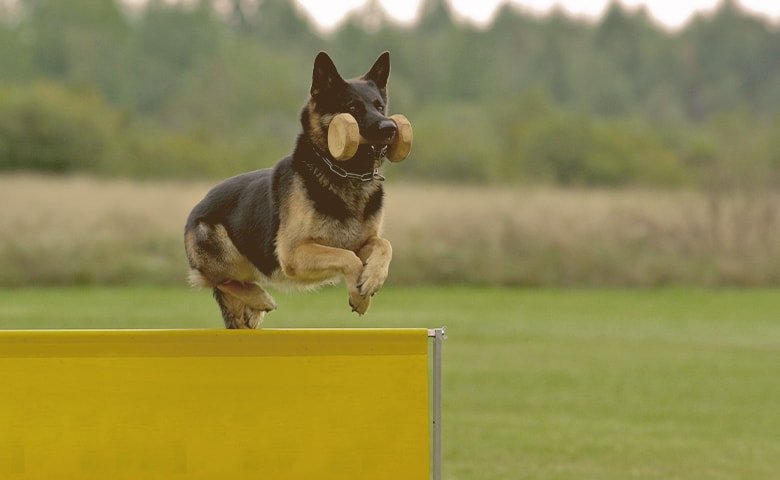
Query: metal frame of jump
[(438, 335)]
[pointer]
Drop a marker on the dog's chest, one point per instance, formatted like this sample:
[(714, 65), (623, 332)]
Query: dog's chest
[(302, 221), (349, 234)]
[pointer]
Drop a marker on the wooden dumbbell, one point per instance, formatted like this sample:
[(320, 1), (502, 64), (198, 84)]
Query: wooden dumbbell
[(344, 138)]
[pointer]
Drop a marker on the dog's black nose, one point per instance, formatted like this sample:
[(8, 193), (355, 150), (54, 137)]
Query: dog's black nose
[(387, 129), (382, 130)]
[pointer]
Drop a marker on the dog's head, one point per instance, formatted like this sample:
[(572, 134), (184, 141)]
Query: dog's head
[(365, 98)]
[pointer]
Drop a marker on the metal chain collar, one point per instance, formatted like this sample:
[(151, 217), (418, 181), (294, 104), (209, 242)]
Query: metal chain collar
[(363, 177)]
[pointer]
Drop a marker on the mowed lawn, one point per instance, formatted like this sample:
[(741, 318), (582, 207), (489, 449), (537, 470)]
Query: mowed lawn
[(585, 384)]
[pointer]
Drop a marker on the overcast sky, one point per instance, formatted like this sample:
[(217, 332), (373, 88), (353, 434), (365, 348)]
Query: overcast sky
[(672, 13)]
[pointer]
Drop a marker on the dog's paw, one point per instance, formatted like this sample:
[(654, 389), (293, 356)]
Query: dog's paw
[(254, 318), (372, 279), (358, 302), (270, 305)]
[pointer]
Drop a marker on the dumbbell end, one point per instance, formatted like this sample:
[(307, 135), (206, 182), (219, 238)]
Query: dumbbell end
[(402, 144), (343, 136)]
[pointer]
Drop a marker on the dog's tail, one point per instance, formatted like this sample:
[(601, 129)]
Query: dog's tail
[(197, 280)]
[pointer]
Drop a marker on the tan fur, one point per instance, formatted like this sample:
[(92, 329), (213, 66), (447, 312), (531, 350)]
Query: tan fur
[(299, 222), (250, 294), (376, 254), (314, 248), (220, 263), (240, 314), (319, 126), (216, 263)]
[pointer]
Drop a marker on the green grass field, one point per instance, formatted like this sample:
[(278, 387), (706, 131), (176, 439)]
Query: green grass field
[(591, 384)]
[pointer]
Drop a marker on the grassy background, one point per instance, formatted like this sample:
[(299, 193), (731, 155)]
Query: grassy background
[(85, 230), (547, 384)]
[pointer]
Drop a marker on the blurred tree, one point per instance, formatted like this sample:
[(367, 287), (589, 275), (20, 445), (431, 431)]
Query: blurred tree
[(171, 41), (729, 57), (48, 128), (220, 82), (80, 41)]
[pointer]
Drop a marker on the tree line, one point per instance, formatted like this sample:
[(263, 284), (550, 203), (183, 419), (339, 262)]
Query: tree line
[(211, 88)]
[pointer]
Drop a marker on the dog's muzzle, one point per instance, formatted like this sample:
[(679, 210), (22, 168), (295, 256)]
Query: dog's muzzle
[(382, 131), (344, 136)]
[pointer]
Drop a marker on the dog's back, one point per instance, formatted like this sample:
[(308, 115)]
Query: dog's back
[(237, 218)]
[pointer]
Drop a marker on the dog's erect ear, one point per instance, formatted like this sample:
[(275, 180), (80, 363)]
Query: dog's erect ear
[(325, 75), (380, 71)]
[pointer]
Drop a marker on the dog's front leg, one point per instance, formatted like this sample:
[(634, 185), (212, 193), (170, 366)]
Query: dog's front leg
[(376, 254), (314, 262)]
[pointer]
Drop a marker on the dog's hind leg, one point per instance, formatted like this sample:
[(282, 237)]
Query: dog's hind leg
[(243, 305), (232, 309), (249, 293)]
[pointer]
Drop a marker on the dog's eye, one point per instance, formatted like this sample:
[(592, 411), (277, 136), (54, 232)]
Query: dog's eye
[(379, 106), (353, 107)]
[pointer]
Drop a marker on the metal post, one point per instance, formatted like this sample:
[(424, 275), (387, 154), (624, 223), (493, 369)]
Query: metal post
[(438, 334)]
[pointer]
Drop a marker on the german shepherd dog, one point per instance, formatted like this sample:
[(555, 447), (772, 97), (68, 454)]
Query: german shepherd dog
[(304, 222)]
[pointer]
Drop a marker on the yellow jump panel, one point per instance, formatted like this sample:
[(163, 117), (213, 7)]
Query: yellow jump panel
[(214, 404)]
